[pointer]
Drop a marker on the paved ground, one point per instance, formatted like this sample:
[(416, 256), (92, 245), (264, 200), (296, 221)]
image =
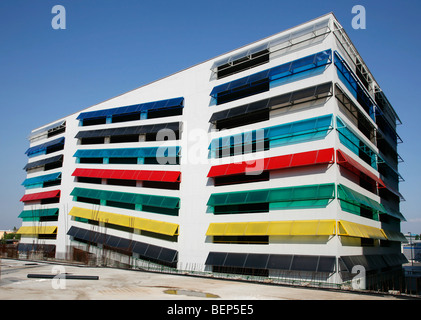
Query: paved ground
[(118, 284)]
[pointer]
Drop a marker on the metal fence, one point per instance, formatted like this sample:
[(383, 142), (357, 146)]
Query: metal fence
[(394, 282)]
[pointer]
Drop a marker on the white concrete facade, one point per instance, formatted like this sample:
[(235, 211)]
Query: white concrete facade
[(194, 217)]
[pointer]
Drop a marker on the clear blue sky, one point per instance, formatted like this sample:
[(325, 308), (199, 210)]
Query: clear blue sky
[(113, 46)]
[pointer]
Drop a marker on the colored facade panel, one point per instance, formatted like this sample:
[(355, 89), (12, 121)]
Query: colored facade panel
[(283, 116)]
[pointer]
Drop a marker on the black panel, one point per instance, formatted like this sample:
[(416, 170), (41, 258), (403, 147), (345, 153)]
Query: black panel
[(304, 263), (153, 128), (216, 258), (326, 264), (282, 262), (168, 255), (140, 248), (153, 252), (256, 261), (42, 162), (235, 260), (156, 253)]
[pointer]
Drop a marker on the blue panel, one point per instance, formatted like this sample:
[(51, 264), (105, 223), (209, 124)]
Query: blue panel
[(125, 152), (351, 81), (293, 132), (41, 179), (42, 147), (310, 62), (143, 107)]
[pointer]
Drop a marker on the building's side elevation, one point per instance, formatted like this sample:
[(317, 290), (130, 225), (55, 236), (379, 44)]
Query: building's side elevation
[(276, 159)]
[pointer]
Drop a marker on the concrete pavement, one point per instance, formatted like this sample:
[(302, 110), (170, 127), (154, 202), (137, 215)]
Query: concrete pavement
[(119, 284)]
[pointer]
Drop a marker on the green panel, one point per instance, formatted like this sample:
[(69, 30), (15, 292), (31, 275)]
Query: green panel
[(355, 144), (312, 193), (29, 214), (299, 204), (133, 198), (349, 195)]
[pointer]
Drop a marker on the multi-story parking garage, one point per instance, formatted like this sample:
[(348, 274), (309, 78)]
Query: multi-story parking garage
[(279, 157)]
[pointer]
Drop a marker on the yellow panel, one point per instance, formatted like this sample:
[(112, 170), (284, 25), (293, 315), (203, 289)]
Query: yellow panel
[(326, 227), (353, 229), (37, 230), (313, 228), (81, 213), (273, 228), (257, 228), (216, 229), (236, 229), (304, 228), (280, 228), (126, 221)]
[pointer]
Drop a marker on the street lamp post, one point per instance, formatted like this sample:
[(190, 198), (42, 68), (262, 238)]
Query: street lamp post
[(410, 246)]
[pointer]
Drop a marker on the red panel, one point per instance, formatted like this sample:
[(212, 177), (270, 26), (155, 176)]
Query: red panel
[(274, 163), (304, 159), (326, 156), (40, 195), (238, 168), (145, 175), (352, 165), (217, 171), (279, 162), (172, 176)]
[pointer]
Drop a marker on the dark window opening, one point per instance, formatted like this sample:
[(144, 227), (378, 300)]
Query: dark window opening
[(242, 93), (55, 132), (153, 136), (243, 120), (363, 156), (55, 148), (90, 160), (50, 200), (167, 211), (93, 122), (123, 205), (95, 140), (125, 117), (51, 183), (161, 185), (243, 271), (89, 180), (48, 218), (242, 208), (241, 239), (125, 138), (367, 213), (165, 113), (367, 242), (241, 149), (53, 165), (368, 184), (359, 73), (121, 182), (122, 160), (160, 236), (362, 100), (241, 178), (47, 236), (88, 200), (242, 64), (165, 160)]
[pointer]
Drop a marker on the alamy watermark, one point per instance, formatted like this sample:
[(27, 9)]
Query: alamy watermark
[(359, 20), (59, 20), (59, 280)]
